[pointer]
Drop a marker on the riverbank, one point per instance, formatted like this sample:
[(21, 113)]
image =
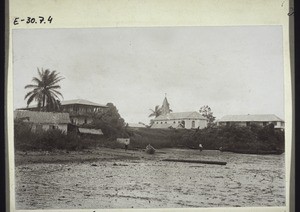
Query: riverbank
[(247, 140), (115, 178)]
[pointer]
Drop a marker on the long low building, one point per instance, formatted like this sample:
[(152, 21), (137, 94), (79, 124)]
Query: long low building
[(43, 120), (187, 120), (247, 120)]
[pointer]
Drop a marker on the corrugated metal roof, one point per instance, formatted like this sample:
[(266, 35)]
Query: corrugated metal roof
[(250, 118), (42, 117), (90, 131), (180, 115), (81, 102), (137, 125), (71, 102)]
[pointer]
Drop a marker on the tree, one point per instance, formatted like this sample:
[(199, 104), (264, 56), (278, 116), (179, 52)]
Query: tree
[(53, 106), (45, 90), (110, 122), (156, 112), (207, 113)]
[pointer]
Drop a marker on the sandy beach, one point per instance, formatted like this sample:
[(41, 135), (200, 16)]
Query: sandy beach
[(114, 178)]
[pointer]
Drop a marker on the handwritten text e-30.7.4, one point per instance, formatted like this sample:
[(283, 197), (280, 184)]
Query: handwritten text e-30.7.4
[(33, 20)]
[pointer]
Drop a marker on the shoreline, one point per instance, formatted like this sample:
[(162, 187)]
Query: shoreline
[(108, 154)]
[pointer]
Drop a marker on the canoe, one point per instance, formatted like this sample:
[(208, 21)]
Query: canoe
[(150, 149), (196, 161)]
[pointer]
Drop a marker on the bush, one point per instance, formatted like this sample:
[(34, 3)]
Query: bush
[(236, 138), (253, 139), (158, 138)]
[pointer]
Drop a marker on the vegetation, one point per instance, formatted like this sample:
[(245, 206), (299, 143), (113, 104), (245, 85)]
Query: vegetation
[(254, 139), (110, 122), (156, 112), (45, 90), (207, 113), (25, 139)]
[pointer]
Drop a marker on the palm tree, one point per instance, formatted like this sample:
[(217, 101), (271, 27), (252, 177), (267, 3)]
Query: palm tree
[(156, 112), (44, 90)]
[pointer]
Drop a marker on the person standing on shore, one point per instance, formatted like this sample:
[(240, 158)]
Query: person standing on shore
[(200, 147), (127, 141)]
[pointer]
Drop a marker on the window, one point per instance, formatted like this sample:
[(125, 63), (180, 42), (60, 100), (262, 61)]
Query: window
[(53, 127), (227, 123), (265, 123), (248, 123), (85, 121), (174, 122), (165, 122), (193, 124), (183, 123)]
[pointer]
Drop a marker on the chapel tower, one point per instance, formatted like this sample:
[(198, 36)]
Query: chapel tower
[(165, 108)]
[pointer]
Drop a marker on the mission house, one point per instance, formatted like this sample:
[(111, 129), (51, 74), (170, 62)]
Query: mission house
[(79, 111)]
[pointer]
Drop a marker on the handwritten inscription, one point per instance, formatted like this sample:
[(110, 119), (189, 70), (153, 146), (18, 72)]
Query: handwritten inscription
[(33, 20)]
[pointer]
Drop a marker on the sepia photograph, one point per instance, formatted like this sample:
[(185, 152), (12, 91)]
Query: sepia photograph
[(149, 117)]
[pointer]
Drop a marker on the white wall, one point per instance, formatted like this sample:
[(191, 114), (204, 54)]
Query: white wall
[(45, 127), (81, 120), (279, 124), (188, 123), (202, 124), (198, 123)]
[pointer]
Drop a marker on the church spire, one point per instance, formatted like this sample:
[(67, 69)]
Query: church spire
[(165, 108)]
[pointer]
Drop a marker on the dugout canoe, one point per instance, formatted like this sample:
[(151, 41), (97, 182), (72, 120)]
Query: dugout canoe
[(150, 149), (196, 161)]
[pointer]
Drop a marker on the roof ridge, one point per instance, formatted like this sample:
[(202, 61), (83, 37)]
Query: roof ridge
[(251, 117)]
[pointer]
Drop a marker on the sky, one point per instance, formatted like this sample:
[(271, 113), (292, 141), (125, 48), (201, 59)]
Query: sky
[(234, 70)]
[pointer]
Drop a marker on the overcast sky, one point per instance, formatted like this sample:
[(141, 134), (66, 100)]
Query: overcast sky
[(234, 70)]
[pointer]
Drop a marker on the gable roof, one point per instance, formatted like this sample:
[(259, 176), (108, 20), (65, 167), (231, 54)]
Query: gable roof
[(180, 115), (250, 118), (42, 117)]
